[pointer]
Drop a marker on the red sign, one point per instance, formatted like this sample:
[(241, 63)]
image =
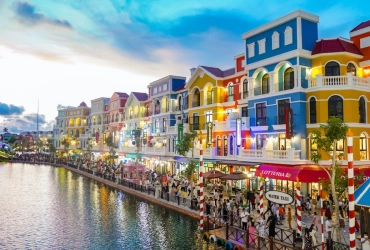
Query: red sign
[(97, 137), (288, 123)]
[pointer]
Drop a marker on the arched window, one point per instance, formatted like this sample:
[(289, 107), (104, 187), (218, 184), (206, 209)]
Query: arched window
[(275, 40), (230, 92), (332, 69), (218, 145), (312, 110), (179, 103), (351, 69), (288, 36), (362, 110), (196, 98), (210, 96), (157, 107), (363, 147), (225, 146), (117, 117), (288, 78), (77, 132), (146, 110), (231, 145), (245, 88), (265, 84), (335, 106)]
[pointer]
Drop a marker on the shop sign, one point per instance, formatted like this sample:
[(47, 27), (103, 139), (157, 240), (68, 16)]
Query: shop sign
[(288, 123), (238, 132), (209, 133), (279, 197), (180, 132), (273, 174)]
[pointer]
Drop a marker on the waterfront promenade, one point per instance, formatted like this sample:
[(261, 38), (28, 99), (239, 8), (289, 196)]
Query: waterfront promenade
[(216, 226)]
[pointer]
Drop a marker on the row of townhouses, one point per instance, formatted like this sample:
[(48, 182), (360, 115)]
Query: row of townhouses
[(259, 113)]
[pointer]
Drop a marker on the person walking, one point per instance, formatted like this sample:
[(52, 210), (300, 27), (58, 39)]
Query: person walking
[(252, 233), (307, 239), (270, 224), (309, 206), (244, 217), (290, 218), (313, 234), (329, 228)]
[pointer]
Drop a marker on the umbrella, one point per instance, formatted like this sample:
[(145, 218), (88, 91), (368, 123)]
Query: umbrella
[(235, 176), (213, 174)]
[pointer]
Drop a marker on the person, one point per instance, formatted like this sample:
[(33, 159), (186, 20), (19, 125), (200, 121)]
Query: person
[(270, 224), (261, 222), (216, 195), (328, 227), (184, 194), (365, 242), (318, 203), (309, 206), (313, 235), (244, 216), (232, 204), (282, 147), (238, 197), (281, 212), (307, 239), (252, 231), (290, 218), (315, 221)]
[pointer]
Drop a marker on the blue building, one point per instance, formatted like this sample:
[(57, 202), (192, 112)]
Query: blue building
[(277, 57)]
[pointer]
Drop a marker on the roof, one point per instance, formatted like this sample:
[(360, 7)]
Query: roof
[(140, 96), (335, 45), (361, 26), (82, 104), (362, 194), (121, 94), (218, 72), (180, 88)]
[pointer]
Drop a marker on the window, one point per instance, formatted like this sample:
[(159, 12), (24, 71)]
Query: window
[(288, 78), (244, 111), (250, 50), (146, 110), (225, 146), (261, 119), (230, 92), (332, 69), (186, 102), (208, 116), (362, 110), (210, 97), (218, 145), (265, 84), (282, 105), (155, 90), (275, 40), (262, 46), (260, 141), (312, 110), (136, 125), (245, 89), (131, 114), (288, 36), (164, 87), (339, 154), (363, 147), (335, 106), (196, 98), (164, 124), (231, 145), (157, 105), (179, 103), (351, 69), (195, 122), (313, 147), (156, 126)]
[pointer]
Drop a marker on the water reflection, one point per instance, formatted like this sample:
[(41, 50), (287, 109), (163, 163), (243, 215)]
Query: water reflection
[(47, 207)]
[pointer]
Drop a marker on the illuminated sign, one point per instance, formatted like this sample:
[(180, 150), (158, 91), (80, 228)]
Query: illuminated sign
[(279, 197), (288, 123), (180, 132), (238, 132)]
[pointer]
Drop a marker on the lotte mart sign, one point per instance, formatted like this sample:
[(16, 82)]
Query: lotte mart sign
[(279, 197)]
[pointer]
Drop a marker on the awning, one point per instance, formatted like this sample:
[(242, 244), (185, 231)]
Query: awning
[(237, 163), (305, 173), (362, 194)]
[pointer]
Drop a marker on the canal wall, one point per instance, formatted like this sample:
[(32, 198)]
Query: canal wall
[(168, 204)]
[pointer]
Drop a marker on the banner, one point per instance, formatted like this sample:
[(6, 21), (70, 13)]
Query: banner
[(180, 132), (288, 123)]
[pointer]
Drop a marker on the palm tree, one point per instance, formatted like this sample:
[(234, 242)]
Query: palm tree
[(51, 147), (65, 142), (5, 130)]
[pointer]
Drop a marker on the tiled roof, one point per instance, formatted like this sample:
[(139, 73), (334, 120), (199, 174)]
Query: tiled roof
[(120, 94), (140, 96), (180, 88), (219, 73), (361, 26), (334, 45)]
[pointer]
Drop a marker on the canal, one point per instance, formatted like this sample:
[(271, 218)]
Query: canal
[(51, 207)]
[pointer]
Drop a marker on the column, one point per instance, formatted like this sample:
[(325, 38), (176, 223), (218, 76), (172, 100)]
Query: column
[(201, 200), (299, 209), (351, 191), (271, 82)]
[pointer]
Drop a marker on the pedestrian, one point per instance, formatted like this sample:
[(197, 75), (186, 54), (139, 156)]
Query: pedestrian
[(184, 194), (328, 227), (216, 195), (252, 233), (309, 206), (271, 224), (313, 235), (261, 222), (315, 221), (365, 242), (318, 203), (281, 212), (232, 204), (290, 218), (307, 239), (238, 197), (244, 216)]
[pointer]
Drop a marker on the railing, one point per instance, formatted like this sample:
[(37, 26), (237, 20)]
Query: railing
[(245, 95), (280, 119), (261, 121), (343, 80), (289, 154), (261, 91), (196, 104)]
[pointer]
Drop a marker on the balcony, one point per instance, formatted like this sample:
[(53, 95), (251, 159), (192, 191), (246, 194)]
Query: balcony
[(279, 120), (157, 111), (147, 113), (196, 126), (245, 95), (274, 155), (196, 104), (261, 121), (261, 91), (338, 81)]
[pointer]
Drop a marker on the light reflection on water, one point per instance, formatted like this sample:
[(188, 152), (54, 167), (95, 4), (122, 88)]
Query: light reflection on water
[(47, 207)]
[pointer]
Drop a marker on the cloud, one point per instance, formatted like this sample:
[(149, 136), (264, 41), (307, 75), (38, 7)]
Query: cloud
[(27, 13), (10, 109), (27, 122)]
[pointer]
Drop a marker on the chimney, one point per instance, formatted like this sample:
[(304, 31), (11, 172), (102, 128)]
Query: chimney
[(192, 70)]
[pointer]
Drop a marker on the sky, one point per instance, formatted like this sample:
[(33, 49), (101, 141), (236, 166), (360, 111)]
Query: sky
[(63, 52)]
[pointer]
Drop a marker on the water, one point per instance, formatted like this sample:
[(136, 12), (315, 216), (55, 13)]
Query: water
[(44, 207)]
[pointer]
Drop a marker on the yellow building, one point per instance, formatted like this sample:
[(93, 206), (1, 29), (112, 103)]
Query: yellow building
[(336, 88)]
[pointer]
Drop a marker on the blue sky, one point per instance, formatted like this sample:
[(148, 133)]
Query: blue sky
[(66, 51)]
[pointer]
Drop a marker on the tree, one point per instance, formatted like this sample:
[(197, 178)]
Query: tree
[(13, 141), (89, 146), (39, 144), (23, 143), (138, 142), (50, 146), (65, 143), (326, 139), (182, 148), (5, 130), (112, 147)]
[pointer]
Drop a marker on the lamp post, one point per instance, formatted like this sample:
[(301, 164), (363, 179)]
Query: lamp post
[(139, 138)]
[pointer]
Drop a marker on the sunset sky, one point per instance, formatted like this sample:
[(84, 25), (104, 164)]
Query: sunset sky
[(63, 52)]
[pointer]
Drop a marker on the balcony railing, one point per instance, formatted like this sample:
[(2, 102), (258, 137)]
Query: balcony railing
[(261, 91), (196, 126), (245, 95), (335, 81), (196, 103), (261, 121), (280, 119), (148, 113), (157, 111)]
